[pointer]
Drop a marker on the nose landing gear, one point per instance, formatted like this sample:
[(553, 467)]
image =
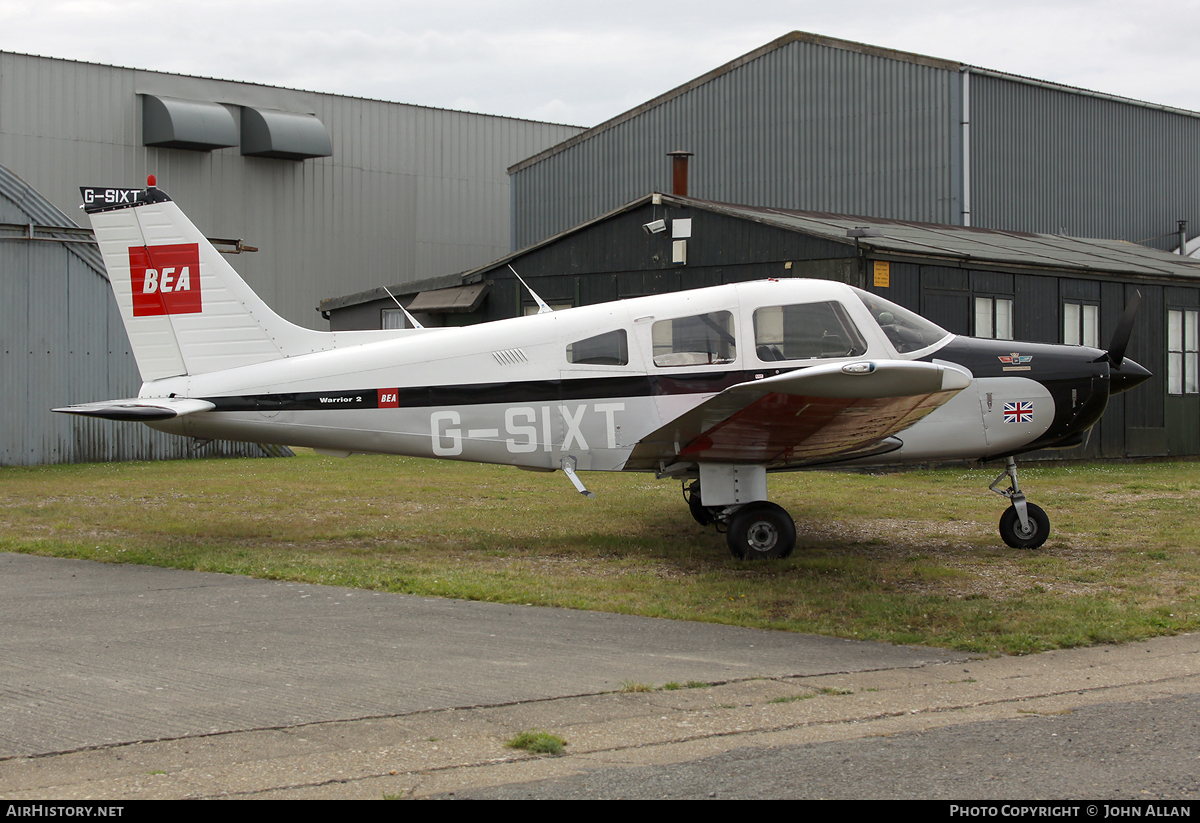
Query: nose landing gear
[(1023, 525)]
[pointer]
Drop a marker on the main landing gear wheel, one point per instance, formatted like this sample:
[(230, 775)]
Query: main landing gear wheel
[(700, 513), (761, 530), (1019, 538)]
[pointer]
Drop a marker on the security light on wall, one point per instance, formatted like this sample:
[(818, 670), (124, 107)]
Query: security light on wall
[(655, 227)]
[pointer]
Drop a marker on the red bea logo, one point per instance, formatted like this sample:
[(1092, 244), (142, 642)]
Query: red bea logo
[(165, 279), (389, 398)]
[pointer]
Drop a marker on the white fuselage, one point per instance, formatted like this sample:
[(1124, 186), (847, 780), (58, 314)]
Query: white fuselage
[(505, 392)]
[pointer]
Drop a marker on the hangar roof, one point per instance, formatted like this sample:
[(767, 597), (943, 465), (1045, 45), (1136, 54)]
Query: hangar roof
[(26, 215), (966, 244), (886, 239), (835, 43), (901, 240)]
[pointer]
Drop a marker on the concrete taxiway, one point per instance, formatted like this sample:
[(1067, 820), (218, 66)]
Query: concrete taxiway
[(138, 682)]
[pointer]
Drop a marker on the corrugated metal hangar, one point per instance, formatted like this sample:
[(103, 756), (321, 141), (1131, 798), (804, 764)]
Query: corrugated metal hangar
[(336, 194), (973, 184), (62, 341), (814, 123)]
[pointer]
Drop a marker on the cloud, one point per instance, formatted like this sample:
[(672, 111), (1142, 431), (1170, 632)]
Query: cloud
[(581, 63)]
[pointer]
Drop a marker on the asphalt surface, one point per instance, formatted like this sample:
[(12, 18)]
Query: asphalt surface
[(127, 682), (1142, 752)]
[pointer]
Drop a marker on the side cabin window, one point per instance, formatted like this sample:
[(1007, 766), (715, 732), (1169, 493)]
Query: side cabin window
[(608, 349), (805, 331), (699, 340)]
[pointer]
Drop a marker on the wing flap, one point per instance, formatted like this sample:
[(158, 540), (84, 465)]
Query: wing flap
[(141, 409), (805, 415)]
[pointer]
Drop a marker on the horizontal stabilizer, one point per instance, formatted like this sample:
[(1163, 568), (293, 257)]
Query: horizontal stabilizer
[(144, 409)]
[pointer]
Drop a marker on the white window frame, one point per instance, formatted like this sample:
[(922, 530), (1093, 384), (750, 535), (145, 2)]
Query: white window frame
[(994, 317), (1081, 323), (1183, 351), (556, 305), (393, 319)]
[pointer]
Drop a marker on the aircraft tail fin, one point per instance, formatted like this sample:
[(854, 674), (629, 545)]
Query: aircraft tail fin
[(185, 309)]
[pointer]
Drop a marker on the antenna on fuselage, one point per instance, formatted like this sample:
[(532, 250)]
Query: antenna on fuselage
[(543, 307), (415, 323)]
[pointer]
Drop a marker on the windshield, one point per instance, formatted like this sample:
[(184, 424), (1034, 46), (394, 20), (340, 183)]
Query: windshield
[(906, 330)]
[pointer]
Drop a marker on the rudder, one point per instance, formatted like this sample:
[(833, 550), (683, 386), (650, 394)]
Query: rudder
[(185, 309)]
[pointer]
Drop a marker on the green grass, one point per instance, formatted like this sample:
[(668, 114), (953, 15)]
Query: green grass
[(538, 742), (629, 686), (902, 558), (794, 698)]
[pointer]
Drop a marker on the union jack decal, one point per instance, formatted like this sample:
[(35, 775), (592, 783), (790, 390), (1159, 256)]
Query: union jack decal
[(1019, 412)]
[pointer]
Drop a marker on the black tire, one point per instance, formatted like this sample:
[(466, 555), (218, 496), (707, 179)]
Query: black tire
[(699, 513), (761, 531), (1039, 527)]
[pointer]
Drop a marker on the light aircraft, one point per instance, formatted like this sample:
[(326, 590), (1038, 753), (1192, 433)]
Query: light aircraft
[(717, 387)]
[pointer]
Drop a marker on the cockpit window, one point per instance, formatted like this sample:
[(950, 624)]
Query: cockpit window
[(694, 341), (906, 330), (805, 331), (608, 349)]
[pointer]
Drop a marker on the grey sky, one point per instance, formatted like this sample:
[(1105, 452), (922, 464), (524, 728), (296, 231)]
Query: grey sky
[(583, 63)]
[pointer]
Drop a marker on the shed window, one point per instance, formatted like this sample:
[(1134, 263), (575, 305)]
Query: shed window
[(1183, 351), (393, 319), (1081, 324), (557, 305), (994, 317)]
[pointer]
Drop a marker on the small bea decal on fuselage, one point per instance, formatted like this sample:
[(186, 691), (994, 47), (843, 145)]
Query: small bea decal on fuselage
[(165, 279)]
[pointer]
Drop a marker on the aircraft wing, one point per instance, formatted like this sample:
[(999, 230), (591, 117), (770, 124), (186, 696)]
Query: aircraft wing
[(142, 409), (803, 416)]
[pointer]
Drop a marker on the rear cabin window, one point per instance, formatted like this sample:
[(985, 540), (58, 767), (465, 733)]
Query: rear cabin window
[(608, 349), (700, 340), (805, 331)]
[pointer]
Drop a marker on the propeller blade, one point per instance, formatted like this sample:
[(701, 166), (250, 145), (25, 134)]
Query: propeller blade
[(1120, 338)]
